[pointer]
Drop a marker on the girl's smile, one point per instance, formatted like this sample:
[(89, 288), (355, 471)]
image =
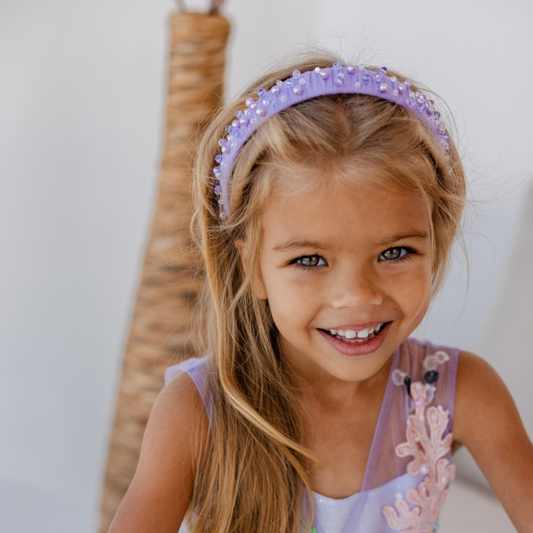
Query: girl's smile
[(347, 275)]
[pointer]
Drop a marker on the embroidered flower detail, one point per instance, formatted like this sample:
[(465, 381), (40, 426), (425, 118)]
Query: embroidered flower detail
[(428, 447)]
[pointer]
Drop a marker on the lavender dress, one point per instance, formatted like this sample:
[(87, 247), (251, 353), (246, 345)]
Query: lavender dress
[(409, 468)]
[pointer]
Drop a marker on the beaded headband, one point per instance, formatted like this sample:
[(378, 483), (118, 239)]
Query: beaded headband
[(307, 85)]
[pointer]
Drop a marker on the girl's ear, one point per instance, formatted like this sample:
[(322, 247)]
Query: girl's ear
[(258, 287)]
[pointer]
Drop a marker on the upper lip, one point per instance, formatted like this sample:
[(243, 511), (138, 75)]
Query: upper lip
[(358, 327)]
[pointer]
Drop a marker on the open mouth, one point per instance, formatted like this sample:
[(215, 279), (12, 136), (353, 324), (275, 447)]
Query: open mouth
[(356, 337)]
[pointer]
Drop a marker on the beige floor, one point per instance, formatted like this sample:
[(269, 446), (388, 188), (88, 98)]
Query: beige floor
[(469, 509)]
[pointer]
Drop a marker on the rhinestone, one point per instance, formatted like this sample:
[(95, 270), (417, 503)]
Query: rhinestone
[(302, 81), (394, 79), (357, 85), (441, 129), (283, 98), (253, 120), (337, 65), (361, 67), (410, 101), (338, 82), (395, 92), (366, 79)]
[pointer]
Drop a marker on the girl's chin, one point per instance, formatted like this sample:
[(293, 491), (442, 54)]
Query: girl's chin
[(357, 348)]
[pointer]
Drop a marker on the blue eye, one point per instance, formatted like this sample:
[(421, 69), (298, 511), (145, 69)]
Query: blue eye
[(310, 261), (398, 253)]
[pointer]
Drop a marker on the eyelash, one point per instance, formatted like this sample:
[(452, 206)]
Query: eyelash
[(409, 252)]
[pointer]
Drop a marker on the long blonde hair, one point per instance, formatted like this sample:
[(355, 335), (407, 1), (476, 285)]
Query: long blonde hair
[(252, 469)]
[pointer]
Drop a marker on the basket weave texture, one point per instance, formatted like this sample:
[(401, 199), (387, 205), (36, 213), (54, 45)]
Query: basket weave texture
[(172, 275)]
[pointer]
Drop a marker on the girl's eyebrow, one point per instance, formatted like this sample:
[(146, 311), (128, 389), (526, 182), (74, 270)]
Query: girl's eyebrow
[(411, 234), (318, 245), (291, 245)]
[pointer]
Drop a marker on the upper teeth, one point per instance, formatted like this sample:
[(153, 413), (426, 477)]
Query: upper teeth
[(351, 334)]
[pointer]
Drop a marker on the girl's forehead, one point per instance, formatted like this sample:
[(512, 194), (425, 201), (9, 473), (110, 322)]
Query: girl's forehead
[(360, 212)]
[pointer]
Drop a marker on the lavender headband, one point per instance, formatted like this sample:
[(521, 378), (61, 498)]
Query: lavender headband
[(318, 82)]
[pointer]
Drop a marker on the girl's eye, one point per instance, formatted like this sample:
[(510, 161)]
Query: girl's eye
[(310, 261), (399, 253)]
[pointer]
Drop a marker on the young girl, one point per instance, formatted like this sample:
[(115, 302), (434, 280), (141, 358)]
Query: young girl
[(326, 227)]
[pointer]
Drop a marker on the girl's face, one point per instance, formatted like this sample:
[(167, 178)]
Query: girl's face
[(336, 263)]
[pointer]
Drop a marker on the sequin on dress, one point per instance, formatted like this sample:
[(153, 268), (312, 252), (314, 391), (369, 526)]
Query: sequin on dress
[(409, 470)]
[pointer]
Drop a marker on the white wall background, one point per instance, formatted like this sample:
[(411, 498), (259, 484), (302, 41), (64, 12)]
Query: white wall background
[(82, 88)]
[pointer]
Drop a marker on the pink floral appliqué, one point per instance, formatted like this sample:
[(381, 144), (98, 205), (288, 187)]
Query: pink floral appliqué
[(428, 449)]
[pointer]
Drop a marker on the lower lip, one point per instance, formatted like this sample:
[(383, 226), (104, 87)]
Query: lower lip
[(364, 348)]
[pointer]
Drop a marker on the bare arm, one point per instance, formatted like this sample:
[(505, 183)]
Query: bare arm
[(487, 422), (160, 491)]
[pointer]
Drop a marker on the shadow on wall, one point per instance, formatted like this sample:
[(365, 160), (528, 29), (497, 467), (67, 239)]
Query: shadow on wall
[(506, 339)]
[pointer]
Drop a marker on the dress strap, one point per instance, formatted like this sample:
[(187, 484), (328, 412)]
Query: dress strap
[(195, 368)]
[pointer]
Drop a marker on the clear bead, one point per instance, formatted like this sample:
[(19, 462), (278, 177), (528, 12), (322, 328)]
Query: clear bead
[(408, 83), (338, 82), (296, 74), (283, 98), (378, 77), (237, 134), (302, 81), (218, 190), (422, 108), (395, 92), (261, 92), (218, 158), (253, 120), (394, 79), (366, 79), (383, 71), (289, 82), (441, 129), (279, 83), (217, 172), (361, 67), (238, 114), (420, 98), (357, 85), (228, 129), (410, 101), (225, 149), (236, 124), (337, 65), (221, 142)]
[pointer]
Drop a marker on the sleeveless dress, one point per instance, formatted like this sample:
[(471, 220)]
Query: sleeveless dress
[(409, 470)]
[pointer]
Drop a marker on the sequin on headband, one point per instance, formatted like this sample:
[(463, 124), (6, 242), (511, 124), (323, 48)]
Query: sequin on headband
[(307, 85)]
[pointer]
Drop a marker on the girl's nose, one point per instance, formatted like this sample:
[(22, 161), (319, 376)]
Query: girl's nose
[(357, 290)]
